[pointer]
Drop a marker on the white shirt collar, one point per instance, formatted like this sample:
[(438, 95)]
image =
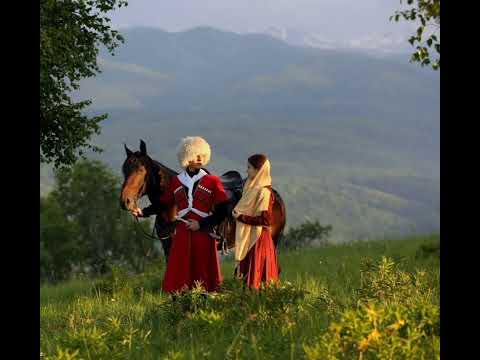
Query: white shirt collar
[(188, 181)]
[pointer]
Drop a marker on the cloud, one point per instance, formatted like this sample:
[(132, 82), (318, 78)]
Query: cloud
[(335, 19)]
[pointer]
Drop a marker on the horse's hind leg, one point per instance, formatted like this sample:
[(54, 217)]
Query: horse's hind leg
[(166, 244)]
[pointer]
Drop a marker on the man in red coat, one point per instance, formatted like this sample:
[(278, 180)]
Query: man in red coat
[(201, 203)]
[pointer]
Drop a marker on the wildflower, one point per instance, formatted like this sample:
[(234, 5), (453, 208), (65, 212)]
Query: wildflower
[(290, 324), (372, 314), (337, 328), (374, 335), (363, 345), (395, 326), (399, 324)]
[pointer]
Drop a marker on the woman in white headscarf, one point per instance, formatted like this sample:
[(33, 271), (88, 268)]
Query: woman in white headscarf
[(254, 247)]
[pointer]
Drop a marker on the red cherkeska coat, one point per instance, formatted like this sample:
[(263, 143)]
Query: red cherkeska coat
[(193, 256)]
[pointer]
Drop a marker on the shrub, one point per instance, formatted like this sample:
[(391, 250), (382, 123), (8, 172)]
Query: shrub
[(395, 318), (112, 340), (384, 282), (305, 234), (82, 226), (428, 250), (381, 331)]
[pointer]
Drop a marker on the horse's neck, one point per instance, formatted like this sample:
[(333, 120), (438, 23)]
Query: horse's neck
[(159, 166), (153, 192)]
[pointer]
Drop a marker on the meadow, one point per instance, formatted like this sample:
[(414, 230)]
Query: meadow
[(358, 300)]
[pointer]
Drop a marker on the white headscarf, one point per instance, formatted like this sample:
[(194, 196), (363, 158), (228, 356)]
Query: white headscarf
[(255, 199)]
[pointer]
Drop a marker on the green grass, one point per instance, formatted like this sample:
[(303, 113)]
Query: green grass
[(127, 317)]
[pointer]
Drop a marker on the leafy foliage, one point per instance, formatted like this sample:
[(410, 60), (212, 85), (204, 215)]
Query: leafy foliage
[(70, 33), (381, 331), (83, 227), (60, 242), (384, 282), (428, 250), (304, 234), (427, 12), (396, 317)]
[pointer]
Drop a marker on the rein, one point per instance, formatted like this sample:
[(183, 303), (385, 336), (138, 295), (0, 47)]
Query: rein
[(148, 236), (151, 180), (145, 235)]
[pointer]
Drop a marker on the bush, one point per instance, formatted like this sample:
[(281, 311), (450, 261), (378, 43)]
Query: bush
[(110, 340), (84, 231), (305, 234), (381, 331), (428, 250), (122, 282), (395, 318), (384, 282), (60, 243)]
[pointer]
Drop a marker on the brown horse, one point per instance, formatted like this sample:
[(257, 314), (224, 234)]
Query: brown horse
[(145, 176)]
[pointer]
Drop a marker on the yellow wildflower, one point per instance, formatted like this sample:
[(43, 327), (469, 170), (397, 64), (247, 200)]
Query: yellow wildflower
[(371, 313), (374, 335), (363, 345), (396, 325), (337, 328)]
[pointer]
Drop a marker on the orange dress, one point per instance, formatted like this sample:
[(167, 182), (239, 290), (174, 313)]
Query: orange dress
[(260, 264)]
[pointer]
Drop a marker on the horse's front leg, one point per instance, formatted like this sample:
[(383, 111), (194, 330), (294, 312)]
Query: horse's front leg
[(165, 227)]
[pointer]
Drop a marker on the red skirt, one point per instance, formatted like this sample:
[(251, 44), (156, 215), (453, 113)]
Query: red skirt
[(193, 257), (260, 264)]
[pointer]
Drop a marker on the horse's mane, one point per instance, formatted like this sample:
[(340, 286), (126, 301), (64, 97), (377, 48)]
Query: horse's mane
[(165, 168), (169, 171)]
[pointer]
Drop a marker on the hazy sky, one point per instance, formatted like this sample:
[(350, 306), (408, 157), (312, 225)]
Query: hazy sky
[(333, 19)]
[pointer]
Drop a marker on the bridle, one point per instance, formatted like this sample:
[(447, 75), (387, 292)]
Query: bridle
[(149, 181)]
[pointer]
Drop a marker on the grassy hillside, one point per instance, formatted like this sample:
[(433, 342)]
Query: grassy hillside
[(341, 301), (325, 170)]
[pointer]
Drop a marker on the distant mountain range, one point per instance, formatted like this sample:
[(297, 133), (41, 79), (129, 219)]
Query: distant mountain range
[(379, 44), (353, 139)]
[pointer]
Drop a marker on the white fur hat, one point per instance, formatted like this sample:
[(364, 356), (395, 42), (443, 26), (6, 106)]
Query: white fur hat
[(190, 147)]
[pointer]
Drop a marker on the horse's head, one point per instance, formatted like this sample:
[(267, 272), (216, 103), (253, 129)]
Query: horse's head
[(137, 170)]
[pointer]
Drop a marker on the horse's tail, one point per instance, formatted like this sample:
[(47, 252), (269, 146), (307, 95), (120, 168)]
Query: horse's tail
[(282, 204), (283, 211)]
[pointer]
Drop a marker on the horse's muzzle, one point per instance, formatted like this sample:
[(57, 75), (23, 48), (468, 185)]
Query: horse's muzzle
[(126, 203)]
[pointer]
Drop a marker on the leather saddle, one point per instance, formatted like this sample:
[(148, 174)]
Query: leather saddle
[(232, 180), (233, 184)]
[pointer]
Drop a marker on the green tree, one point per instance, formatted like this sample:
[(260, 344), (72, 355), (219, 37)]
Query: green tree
[(71, 32), (60, 244), (305, 234), (427, 36), (89, 195)]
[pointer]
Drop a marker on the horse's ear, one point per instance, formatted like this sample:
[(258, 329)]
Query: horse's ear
[(127, 150), (143, 147)]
